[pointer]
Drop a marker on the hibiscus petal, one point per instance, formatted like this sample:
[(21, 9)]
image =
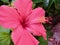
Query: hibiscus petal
[(36, 15), (23, 6), (8, 17), (23, 37), (16, 34), (37, 30)]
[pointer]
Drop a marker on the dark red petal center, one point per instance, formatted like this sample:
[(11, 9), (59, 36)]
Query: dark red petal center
[(24, 23)]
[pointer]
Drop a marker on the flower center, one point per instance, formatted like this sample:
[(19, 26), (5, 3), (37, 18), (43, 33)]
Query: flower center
[(23, 23)]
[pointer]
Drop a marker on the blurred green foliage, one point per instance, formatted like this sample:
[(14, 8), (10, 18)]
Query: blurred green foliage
[(5, 37), (52, 8), (42, 41), (5, 1)]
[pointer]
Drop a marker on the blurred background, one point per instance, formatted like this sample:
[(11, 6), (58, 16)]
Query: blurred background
[(52, 8)]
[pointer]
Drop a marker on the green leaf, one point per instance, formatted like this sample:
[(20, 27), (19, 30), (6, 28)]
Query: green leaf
[(5, 38), (46, 2), (5, 1), (37, 1), (57, 4), (4, 30), (42, 41), (50, 3)]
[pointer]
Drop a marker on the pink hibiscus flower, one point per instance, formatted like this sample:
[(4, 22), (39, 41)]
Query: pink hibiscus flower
[(24, 21)]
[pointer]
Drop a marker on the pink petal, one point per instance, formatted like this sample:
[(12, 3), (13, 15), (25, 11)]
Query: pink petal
[(37, 30), (16, 34), (8, 17), (36, 15), (23, 37), (23, 6)]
